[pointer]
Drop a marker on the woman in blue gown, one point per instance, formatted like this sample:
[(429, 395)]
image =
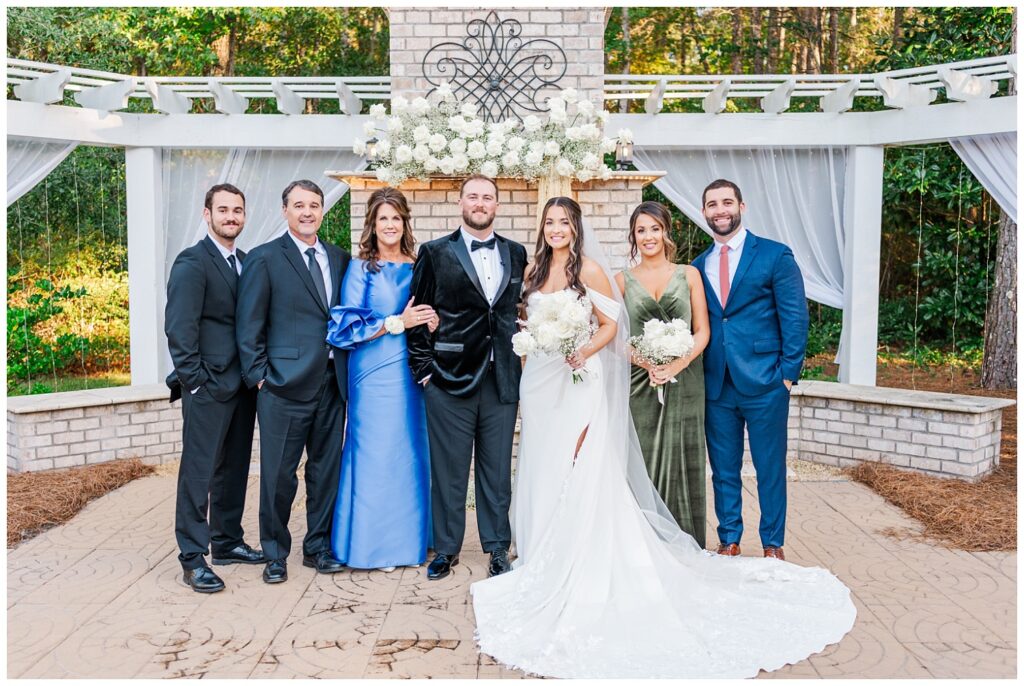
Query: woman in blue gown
[(382, 512)]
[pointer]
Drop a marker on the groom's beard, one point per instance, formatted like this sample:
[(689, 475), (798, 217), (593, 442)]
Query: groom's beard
[(733, 224), (467, 220)]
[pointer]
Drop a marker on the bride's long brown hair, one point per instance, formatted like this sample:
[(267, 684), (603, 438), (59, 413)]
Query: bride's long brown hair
[(543, 252)]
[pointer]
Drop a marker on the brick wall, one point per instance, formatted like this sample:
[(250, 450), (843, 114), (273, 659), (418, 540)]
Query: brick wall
[(579, 32)]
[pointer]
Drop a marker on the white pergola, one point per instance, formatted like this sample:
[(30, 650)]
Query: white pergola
[(910, 119)]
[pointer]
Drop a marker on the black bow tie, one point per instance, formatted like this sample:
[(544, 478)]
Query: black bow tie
[(487, 245)]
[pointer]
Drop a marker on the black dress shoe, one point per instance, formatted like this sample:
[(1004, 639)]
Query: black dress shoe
[(499, 562), (240, 554), (203, 580), (323, 562), (441, 566), (275, 572)]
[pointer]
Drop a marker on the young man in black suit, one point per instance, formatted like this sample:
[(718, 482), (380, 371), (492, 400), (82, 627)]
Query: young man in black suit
[(218, 410), (473, 279), (287, 291)]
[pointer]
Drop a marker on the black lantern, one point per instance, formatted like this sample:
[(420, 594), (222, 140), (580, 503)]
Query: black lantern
[(371, 151), (623, 154)]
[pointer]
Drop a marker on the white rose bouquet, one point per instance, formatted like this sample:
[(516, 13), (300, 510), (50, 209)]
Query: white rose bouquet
[(441, 134), (559, 324), (661, 343)]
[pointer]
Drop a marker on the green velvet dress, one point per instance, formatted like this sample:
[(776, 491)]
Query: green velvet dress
[(671, 435)]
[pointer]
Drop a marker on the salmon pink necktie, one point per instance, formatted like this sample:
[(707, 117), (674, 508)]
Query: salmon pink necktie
[(723, 273)]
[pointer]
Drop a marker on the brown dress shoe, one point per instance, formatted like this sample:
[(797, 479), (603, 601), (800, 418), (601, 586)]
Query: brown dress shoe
[(771, 551), (732, 550)]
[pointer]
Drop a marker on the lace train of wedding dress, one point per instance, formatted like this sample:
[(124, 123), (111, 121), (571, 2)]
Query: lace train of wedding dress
[(602, 587)]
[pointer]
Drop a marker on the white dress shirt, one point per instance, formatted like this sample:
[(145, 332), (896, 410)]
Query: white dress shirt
[(225, 253), (487, 263), (735, 252)]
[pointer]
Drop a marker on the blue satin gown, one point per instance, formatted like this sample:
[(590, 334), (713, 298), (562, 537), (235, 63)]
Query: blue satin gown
[(382, 513)]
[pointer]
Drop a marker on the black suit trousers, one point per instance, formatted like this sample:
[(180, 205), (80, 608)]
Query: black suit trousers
[(214, 471), (286, 427), (460, 429)]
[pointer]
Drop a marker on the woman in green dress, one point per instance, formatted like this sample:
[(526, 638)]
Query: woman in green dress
[(671, 433)]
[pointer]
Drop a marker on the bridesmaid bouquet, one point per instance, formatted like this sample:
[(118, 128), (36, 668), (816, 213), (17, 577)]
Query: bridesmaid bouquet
[(559, 324), (661, 343)]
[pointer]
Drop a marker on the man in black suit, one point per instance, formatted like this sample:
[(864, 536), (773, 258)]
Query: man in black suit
[(287, 290), (217, 409), (473, 279)]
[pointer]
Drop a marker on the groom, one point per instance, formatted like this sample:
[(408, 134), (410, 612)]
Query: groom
[(759, 322), (473, 279)]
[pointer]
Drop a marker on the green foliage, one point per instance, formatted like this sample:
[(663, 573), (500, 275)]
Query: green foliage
[(27, 353)]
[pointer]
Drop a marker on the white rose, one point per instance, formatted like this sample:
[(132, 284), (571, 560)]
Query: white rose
[(358, 146), (395, 125), (383, 174), (558, 116), (570, 95), (510, 159), (432, 164), (458, 145), (584, 175), (369, 128), (474, 128), (590, 132), (515, 143), (447, 166), (585, 107), (625, 135), (547, 339), (556, 104), (523, 343), (469, 110), (605, 173), (378, 111), (608, 145), (421, 134), (399, 105), (551, 148), (591, 161), (534, 158), (383, 147), (602, 116), (403, 154), (437, 142), (461, 162), (421, 153), (573, 133), (476, 150), (537, 146), (531, 123), (420, 106), (444, 90), (456, 123), (564, 167), (494, 147), (489, 168)]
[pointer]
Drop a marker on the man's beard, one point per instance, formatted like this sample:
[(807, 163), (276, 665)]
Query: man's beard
[(467, 220), (225, 231), (734, 222)]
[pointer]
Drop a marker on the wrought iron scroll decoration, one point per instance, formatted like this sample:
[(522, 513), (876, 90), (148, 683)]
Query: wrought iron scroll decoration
[(495, 68)]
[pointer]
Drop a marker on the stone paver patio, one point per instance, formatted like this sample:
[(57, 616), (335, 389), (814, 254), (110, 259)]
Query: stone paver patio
[(102, 597)]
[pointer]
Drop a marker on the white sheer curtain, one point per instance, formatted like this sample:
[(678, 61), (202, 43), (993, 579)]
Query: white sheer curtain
[(260, 174), (993, 161), (792, 195), (29, 160)]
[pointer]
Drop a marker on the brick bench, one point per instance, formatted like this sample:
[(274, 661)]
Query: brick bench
[(940, 434)]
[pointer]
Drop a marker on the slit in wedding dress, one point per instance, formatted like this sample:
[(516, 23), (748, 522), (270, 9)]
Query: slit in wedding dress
[(579, 443)]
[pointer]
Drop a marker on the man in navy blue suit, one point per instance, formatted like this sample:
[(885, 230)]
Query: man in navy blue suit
[(758, 315)]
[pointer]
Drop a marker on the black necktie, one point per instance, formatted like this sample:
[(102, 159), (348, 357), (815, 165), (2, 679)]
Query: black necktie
[(476, 245), (318, 276), (231, 261)]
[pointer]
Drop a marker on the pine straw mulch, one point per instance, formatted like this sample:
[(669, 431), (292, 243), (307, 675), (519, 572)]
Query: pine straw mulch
[(37, 501), (978, 516)]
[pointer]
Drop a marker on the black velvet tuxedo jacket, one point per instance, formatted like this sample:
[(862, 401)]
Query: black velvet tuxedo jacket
[(282, 323), (199, 321), (457, 354)]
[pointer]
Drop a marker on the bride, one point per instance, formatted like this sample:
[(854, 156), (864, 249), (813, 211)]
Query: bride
[(605, 583)]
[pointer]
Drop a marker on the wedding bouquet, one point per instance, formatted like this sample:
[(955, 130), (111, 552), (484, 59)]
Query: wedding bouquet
[(661, 343), (559, 324), (440, 135)]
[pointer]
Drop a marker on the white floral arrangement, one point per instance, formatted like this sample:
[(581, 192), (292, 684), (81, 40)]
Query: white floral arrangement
[(661, 343), (558, 324), (441, 136), (394, 324)]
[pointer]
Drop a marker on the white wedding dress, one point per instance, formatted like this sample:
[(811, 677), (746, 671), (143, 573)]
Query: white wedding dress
[(606, 585)]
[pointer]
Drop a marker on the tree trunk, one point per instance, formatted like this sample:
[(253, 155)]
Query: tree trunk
[(814, 14), (833, 40), (737, 36), (773, 41), (897, 28), (999, 366), (757, 42), (624, 103)]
